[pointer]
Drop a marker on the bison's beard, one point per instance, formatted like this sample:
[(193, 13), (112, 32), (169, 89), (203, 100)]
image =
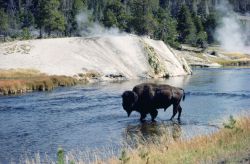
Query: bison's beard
[(128, 108), (129, 112)]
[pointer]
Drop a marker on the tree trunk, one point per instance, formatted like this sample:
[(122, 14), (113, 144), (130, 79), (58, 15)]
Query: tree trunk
[(41, 34)]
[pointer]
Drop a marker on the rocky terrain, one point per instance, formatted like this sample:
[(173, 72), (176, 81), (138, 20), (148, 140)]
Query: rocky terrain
[(213, 56), (107, 57)]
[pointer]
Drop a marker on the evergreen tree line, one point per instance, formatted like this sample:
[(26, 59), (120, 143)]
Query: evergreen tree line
[(57, 18)]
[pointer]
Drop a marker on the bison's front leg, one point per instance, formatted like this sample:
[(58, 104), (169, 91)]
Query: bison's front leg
[(143, 116), (154, 114)]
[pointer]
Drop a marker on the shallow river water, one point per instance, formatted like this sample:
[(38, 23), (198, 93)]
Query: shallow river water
[(90, 117)]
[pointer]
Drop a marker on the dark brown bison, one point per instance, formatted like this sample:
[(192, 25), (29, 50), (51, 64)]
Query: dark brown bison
[(146, 98)]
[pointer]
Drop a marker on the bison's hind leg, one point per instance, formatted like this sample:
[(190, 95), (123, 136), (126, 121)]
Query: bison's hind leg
[(154, 114), (143, 116), (179, 112), (175, 108)]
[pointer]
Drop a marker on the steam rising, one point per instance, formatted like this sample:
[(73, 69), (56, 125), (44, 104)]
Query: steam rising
[(231, 33), (89, 28)]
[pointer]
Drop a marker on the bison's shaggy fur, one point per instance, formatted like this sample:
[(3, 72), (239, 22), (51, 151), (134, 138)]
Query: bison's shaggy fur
[(146, 98)]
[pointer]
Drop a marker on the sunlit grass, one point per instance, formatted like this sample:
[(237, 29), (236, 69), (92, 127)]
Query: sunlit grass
[(16, 81), (233, 59), (232, 140), (235, 55), (19, 73), (223, 58), (230, 62)]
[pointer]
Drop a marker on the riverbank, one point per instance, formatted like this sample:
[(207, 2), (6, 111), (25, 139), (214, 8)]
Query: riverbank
[(213, 56), (229, 145), (69, 61), (19, 81)]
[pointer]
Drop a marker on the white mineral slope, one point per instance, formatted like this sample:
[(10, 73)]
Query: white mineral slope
[(108, 55)]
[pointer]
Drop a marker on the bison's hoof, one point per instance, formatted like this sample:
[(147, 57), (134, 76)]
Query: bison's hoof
[(153, 120), (142, 120)]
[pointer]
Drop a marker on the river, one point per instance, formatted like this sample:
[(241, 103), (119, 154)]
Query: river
[(90, 117)]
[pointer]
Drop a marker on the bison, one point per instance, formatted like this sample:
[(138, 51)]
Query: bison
[(146, 98)]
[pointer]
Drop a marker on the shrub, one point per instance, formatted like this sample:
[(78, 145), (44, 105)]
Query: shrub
[(231, 123), (25, 35), (124, 158), (60, 156)]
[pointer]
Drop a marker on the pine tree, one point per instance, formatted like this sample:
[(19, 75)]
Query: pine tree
[(53, 20), (3, 23), (49, 17), (26, 19), (210, 26), (3, 4), (98, 7), (78, 6), (166, 28), (109, 19), (115, 15), (185, 26), (13, 17), (143, 21), (156, 18), (201, 35), (39, 15)]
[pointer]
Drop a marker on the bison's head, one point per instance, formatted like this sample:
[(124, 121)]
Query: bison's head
[(129, 98)]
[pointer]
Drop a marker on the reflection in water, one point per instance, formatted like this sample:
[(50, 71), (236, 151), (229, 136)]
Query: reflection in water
[(151, 132), (179, 81), (176, 131)]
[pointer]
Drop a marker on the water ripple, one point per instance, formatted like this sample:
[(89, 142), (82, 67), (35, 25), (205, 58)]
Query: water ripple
[(92, 115), (219, 94)]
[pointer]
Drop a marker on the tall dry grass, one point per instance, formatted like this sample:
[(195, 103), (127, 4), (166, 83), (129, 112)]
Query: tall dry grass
[(16, 81), (231, 62), (233, 59), (230, 144), (19, 73)]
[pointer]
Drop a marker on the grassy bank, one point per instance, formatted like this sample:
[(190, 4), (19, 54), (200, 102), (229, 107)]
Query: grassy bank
[(231, 144), (16, 81), (232, 62), (228, 144), (232, 59), (212, 55)]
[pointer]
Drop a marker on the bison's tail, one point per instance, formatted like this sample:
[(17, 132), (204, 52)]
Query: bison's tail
[(184, 95)]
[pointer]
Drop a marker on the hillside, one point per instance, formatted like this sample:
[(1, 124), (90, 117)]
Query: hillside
[(194, 22), (125, 56), (208, 6)]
